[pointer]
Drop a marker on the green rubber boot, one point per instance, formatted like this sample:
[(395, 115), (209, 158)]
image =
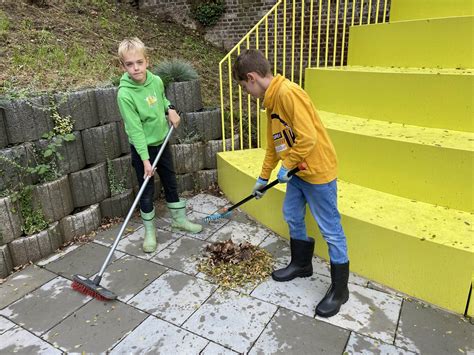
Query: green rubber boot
[(149, 241), (178, 212)]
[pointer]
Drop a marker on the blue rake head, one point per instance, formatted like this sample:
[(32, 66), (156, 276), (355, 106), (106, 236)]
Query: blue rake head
[(216, 216)]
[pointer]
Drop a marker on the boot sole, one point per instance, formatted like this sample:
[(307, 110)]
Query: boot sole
[(284, 279)]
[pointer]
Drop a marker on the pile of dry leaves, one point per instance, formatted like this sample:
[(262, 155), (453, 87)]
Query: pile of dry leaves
[(236, 265)]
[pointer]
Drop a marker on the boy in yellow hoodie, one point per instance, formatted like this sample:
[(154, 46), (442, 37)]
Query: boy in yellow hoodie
[(295, 134)]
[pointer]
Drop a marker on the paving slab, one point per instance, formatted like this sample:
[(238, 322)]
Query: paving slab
[(216, 349), (155, 336), (57, 255), (231, 319), (300, 295), (368, 312), (205, 203), (5, 325), (291, 333), (174, 296), (85, 260), (95, 328), (183, 255), (18, 340), (359, 344), (428, 330), (108, 236), (208, 228), (43, 308), (21, 283), (129, 275), (240, 232), (132, 244)]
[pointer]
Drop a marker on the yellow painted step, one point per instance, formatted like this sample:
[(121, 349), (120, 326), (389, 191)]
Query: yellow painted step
[(426, 164), (428, 98), (418, 248), (417, 9), (428, 43)]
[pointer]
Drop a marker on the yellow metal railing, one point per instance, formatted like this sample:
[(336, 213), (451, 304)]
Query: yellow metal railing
[(326, 35)]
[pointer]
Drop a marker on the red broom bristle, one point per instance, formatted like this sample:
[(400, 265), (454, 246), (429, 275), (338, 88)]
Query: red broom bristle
[(87, 291)]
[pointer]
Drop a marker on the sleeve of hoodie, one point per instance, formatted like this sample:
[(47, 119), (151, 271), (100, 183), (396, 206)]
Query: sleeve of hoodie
[(271, 157), (299, 110), (133, 125)]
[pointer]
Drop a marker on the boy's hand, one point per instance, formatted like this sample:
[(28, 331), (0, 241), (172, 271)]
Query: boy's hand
[(147, 168), (174, 118), (260, 184), (283, 175)]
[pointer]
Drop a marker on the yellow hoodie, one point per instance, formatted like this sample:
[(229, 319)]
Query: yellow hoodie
[(296, 134)]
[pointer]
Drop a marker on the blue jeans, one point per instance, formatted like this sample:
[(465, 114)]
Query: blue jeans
[(322, 201)]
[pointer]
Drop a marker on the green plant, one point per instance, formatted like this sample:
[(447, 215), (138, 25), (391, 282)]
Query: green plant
[(207, 12), (174, 70), (33, 218), (116, 186)]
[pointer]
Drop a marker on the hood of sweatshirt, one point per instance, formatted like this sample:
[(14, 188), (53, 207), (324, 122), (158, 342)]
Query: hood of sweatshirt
[(270, 93), (127, 82)]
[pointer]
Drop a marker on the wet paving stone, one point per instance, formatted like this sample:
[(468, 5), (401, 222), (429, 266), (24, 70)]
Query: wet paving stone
[(240, 232), (174, 296), (292, 333), (133, 243), (19, 341), (231, 319), (428, 330), (108, 236), (183, 255), (359, 344), (20, 283), (57, 255), (206, 204), (85, 260), (208, 228), (216, 349), (56, 300), (5, 325), (155, 336), (95, 328), (129, 275)]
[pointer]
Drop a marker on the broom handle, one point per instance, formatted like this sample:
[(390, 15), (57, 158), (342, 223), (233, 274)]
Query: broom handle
[(292, 172), (130, 212)]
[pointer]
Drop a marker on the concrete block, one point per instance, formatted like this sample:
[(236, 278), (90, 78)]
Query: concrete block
[(123, 138), (54, 198), (123, 171), (10, 220), (22, 156), (3, 129), (6, 265), (107, 106), (81, 223), (27, 119), (215, 146), (72, 153), (101, 143), (186, 95), (188, 158), (80, 106), (185, 182), (207, 123), (89, 186), (204, 179), (117, 206)]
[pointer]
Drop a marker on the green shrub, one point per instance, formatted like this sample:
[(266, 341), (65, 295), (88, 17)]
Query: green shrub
[(175, 70), (207, 12)]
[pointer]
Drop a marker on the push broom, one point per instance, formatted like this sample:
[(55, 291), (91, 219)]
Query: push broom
[(225, 212), (92, 287)]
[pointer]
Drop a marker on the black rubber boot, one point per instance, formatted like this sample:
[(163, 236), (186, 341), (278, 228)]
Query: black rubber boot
[(300, 265), (338, 293)]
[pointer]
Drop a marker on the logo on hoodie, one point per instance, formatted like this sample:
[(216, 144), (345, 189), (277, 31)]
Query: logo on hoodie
[(151, 100)]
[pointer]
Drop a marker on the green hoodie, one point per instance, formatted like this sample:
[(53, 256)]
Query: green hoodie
[(143, 108)]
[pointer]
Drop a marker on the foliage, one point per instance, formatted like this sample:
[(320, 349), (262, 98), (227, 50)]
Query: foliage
[(174, 70), (207, 12), (236, 265), (116, 186), (33, 218)]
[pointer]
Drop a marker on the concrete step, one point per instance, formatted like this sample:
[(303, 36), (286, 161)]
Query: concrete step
[(427, 43), (420, 249), (438, 98), (401, 10), (425, 164)]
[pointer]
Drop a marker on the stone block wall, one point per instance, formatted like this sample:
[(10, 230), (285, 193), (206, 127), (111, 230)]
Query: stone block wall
[(75, 203)]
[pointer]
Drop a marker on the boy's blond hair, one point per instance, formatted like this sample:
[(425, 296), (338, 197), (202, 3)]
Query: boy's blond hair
[(250, 60), (130, 45)]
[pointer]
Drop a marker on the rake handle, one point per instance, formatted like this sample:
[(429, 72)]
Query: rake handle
[(292, 172)]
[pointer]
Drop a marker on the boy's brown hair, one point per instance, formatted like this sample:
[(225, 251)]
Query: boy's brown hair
[(131, 44), (250, 60)]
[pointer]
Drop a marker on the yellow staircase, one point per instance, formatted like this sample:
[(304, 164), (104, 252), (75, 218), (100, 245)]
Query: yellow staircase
[(401, 116)]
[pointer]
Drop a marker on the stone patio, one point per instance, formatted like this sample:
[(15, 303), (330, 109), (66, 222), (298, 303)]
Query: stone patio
[(166, 306)]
